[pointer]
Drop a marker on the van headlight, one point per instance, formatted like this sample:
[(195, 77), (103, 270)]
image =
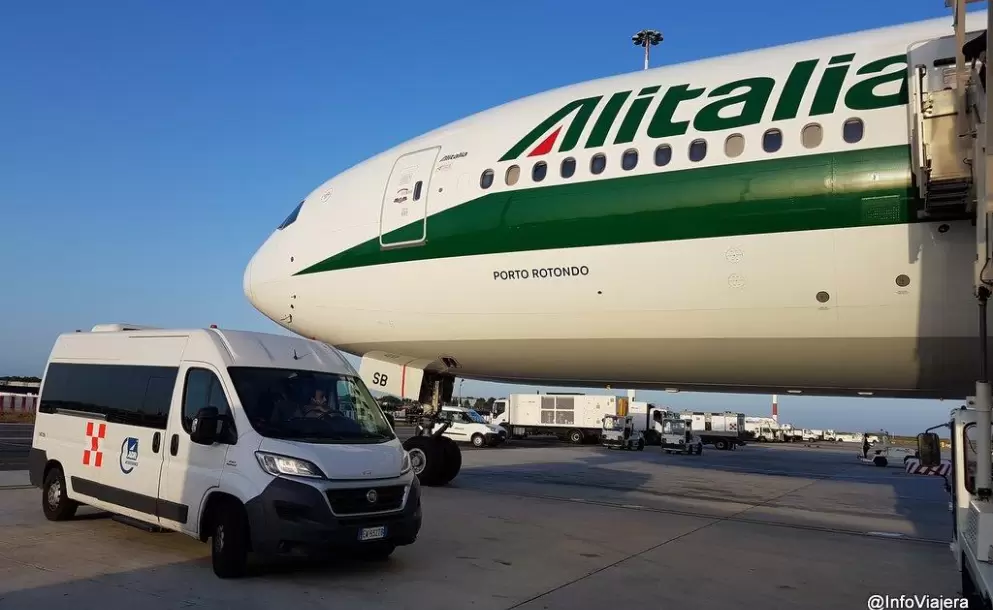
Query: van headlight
[(277, 465), (405, 464)]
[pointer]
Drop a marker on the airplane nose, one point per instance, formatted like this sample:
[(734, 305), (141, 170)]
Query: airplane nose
[(265, 284), (246, 283)]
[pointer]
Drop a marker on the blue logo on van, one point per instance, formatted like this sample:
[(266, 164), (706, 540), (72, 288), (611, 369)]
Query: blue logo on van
[(129, 454)]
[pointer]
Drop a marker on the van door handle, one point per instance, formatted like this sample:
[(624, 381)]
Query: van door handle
[(156, 440), (174, 444)]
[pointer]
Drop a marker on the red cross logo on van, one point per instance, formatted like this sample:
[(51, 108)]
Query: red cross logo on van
[(93, 440)]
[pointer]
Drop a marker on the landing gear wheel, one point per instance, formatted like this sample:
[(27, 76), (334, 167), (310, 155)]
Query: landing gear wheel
[(229, 542), (435, 460), (478, 440), (54, 502), (453, 459)]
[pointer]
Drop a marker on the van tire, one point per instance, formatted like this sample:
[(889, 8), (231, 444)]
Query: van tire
[(478, 440), (229, 540), (54, 500)]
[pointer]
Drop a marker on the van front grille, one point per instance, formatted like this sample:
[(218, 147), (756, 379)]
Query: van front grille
[(362, 499)]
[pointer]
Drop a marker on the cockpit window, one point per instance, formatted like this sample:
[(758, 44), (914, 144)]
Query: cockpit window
[(292, 217)]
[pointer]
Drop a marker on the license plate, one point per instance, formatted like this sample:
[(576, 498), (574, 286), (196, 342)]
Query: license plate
[(372, 533)]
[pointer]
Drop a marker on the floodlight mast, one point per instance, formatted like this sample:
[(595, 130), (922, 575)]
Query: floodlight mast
[(647, 39)]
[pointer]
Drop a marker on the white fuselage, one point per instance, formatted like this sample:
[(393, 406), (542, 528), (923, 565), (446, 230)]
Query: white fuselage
[(745, 270)]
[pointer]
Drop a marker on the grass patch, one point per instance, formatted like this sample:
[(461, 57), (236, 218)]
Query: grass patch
[(6, 417)]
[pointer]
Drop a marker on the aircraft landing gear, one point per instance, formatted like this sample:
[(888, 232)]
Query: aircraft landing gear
[(434, 458)]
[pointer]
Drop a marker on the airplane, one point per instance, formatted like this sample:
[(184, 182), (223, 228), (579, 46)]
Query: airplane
[(795, 218)]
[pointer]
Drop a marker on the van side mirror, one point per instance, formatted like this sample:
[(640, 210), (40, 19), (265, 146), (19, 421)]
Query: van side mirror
[(928, 449), (204, 428)]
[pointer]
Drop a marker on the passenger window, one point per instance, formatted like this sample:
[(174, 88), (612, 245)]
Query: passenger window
[(853, 130), (598, 163), (124, 394), (663, 154), (734, 145), (629, 160), (698, 150), (538, 171), (486, 180), (203, 389), (568, 167), (812, 136), (417, 190), (772, 140), (513, 175)]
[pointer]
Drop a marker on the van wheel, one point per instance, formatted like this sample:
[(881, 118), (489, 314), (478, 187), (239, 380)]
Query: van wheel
[(478, 440), (229, 541), (54, 500)]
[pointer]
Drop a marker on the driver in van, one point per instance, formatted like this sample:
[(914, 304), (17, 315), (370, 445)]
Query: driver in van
[(318, 405), (319, 399)]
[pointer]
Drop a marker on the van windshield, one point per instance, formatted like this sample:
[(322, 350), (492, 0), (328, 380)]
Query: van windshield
[(309, 406)]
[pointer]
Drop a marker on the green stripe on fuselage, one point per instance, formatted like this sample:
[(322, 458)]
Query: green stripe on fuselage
[(828, 191)]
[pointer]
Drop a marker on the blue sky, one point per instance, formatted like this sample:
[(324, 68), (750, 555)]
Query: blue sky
[(147, 149)]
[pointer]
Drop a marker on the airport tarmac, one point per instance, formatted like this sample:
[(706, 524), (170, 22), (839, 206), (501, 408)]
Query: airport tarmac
[(15, 440), (543, 527)]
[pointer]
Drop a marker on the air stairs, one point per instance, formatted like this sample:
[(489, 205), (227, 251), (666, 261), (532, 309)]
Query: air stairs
[(947, 110)]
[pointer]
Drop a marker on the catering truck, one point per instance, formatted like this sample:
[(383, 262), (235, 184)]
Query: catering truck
[(763, 429), (722, 430), (577, 418)]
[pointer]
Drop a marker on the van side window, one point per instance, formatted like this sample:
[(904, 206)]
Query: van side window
[(203, 389), (124, 394)]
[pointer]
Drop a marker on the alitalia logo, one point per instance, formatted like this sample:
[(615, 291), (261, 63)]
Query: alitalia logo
[(735, 104)]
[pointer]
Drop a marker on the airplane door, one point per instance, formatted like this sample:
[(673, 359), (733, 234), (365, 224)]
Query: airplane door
[(403, 220)]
